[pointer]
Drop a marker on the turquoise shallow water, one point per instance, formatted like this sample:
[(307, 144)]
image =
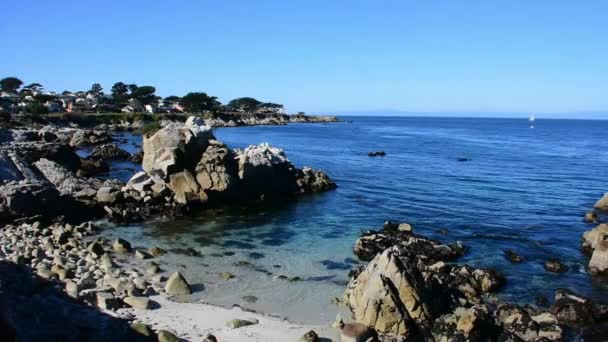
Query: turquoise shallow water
[(524, 189)]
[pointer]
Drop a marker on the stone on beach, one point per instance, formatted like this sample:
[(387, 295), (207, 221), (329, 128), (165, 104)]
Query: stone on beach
[(121, 246), (239, 323), (177, 285), (310, 336), (137, 302), (167, 336), (143, 329), (107, 301), (357, 332)]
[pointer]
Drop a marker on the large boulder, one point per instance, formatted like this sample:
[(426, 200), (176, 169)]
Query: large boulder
[(185, 188), (407, 289), (388, 294), (595, 242), (310, 180), (177, 285), (574, 310), (265, 170), (176, 147), (216, 172), (23, 199)]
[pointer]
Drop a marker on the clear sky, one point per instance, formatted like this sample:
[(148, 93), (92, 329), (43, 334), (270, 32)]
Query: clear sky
[(323, 55)]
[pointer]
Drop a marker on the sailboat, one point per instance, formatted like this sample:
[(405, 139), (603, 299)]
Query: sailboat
[(532, 119)]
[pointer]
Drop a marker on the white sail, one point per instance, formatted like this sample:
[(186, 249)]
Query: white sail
[(532, 118)]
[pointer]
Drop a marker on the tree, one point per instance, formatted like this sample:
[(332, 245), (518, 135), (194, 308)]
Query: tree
[(36, 108), (199, 102), (120, 93), (132, 88), (42, 98), (171, 99), (144, 94), (10, 84), (34, 87), (247, 104), (96, 89)]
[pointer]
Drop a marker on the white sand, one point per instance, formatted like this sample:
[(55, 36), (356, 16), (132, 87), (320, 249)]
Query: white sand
[(193, 321)]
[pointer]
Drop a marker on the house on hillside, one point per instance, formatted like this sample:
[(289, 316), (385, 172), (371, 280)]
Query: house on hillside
[(270, 108)]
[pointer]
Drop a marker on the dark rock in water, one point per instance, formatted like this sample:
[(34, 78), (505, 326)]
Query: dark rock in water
[(90, 168), (137, 157), (376, 154), (513, 257), (522, 323), (243, 263), (250, 299), (554, 265), (542, 301), (591, 217), (596, 332), (374, 242), (186, 251), (351, 261), (108, 152), (335, 265), (577, 311), (255, 255)]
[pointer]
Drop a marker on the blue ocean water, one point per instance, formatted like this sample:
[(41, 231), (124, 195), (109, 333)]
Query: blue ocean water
[(521, 188)]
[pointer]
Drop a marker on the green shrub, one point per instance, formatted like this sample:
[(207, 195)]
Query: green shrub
[(150, 128)]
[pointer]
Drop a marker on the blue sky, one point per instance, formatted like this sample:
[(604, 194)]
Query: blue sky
[(324, 56)]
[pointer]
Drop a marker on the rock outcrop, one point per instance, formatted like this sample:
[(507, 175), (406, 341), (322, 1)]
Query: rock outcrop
[(373, 242), (176, 147), (595, 243), (408, 290), (186, 161), (602, 203)]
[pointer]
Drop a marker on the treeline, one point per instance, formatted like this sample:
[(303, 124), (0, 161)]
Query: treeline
[(123, 97)]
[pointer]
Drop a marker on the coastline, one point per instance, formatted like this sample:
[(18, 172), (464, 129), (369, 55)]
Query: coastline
[(114, 269)]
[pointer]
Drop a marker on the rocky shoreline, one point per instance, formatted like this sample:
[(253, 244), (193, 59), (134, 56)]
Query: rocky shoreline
[(412, 287), (136, 121)]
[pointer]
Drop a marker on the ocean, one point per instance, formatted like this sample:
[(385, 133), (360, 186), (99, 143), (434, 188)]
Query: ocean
[(494, 184)]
